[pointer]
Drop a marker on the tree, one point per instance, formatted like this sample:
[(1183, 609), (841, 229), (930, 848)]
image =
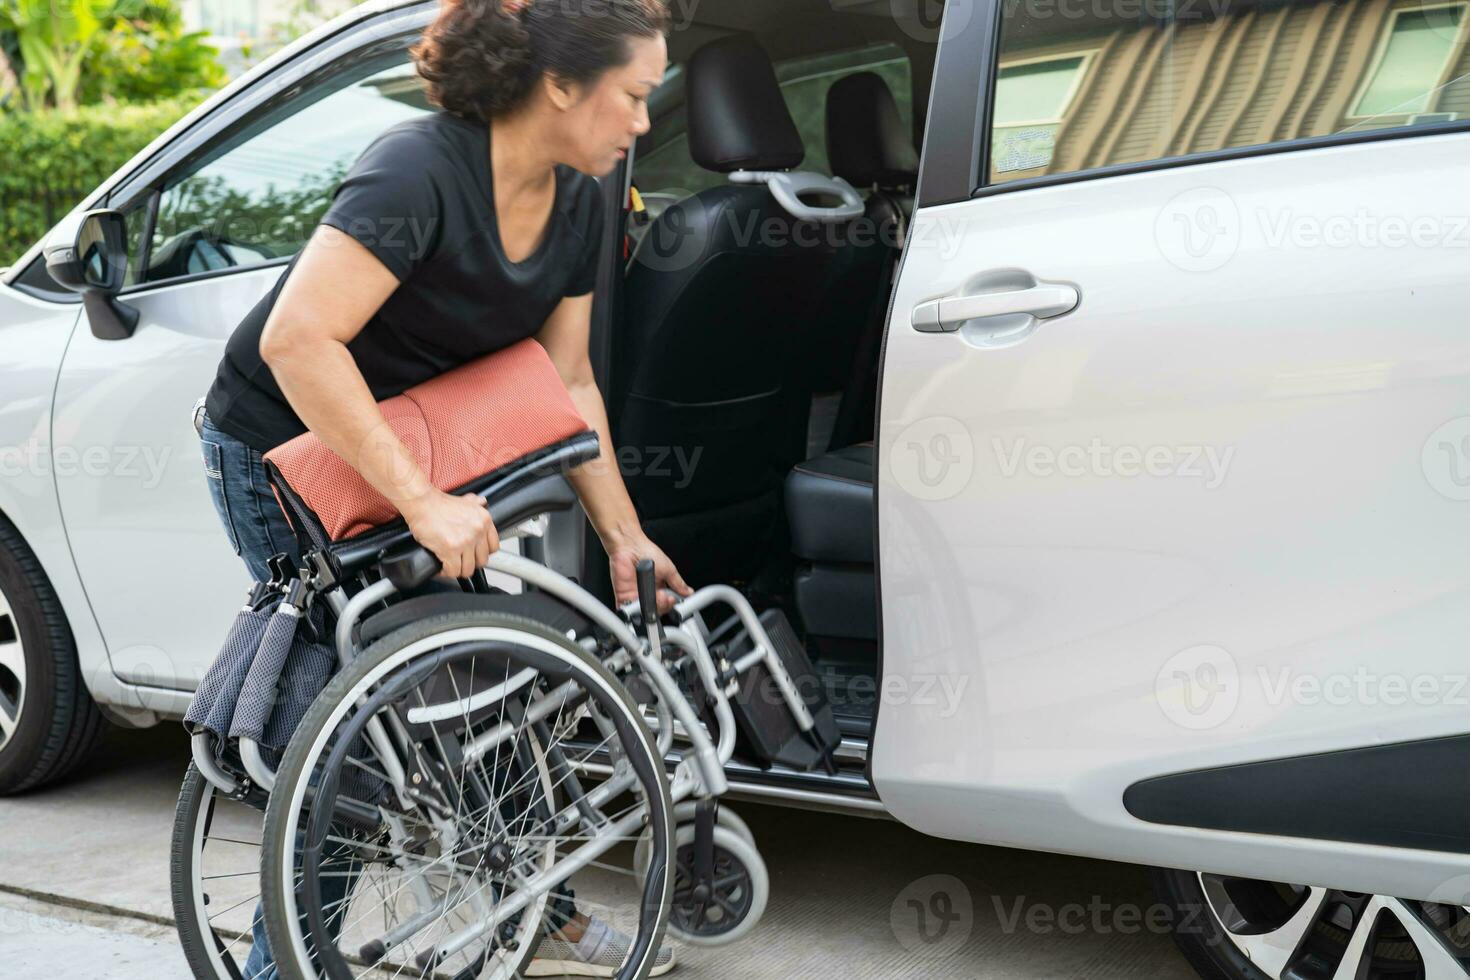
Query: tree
[(52, 39), (147, 55), (68, 52)]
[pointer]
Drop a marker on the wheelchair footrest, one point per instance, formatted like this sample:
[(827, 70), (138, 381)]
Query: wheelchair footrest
[(768, 730)]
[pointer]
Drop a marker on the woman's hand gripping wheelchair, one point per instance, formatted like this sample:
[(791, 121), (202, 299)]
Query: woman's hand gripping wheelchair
[(441, 790)]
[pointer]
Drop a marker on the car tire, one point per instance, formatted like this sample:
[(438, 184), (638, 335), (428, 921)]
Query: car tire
[(1282, 932), (48, 720)]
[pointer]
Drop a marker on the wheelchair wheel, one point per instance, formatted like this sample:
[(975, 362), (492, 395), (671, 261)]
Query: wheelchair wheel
[(491, 718), (214, 878), (726, 907)]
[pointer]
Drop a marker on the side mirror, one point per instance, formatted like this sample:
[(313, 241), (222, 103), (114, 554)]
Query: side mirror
[(94, 262)]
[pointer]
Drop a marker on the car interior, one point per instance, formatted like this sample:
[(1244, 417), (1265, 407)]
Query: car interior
[(745, 334), (746, 342)]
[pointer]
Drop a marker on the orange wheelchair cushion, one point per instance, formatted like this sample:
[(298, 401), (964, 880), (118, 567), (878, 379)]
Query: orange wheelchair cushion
[(466, 423)]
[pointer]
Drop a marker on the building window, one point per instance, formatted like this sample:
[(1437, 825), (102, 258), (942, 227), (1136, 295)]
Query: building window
[(230, 18), (1031, 97), (1411, 61)]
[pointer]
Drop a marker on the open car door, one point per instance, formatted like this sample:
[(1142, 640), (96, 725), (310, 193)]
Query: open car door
[(1174, 445)]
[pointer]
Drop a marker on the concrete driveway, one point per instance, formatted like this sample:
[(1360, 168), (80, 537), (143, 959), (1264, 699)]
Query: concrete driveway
[(84, 893)]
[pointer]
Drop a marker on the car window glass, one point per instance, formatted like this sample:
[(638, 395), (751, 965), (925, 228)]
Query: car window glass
[(134, 220), (669, 170), (1082, 86), (260, 200), (806, 81)]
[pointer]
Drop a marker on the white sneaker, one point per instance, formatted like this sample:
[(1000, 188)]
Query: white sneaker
[(599, 953)]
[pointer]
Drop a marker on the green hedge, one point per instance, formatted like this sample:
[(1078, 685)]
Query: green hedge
[(53, 160)]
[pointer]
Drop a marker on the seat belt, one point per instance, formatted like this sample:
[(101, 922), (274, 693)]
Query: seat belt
[(637, 213)]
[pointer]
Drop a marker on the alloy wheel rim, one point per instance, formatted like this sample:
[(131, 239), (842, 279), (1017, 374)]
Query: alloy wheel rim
[(1291, 931), (12, 671)]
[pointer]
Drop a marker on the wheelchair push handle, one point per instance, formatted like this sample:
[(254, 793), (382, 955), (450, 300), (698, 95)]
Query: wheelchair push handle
[(647, 590)]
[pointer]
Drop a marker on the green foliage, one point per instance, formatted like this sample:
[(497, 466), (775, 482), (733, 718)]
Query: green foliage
[(52, 160), (266, 224), (300, 17), (63, 53), (138, 61), (53, 38)]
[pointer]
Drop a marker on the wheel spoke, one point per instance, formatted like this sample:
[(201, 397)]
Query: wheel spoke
[(8, 714), (11, 657), (1439, 962), (1359, 949), (12, 671), (1272, 951), (477, 824)]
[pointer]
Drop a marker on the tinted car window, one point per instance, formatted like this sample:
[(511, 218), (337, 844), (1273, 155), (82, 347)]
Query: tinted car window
[(668, 169), (1083, 86), (261, 199)]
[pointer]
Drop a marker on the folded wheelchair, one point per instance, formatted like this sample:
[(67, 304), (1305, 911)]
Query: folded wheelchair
[(436, 766)]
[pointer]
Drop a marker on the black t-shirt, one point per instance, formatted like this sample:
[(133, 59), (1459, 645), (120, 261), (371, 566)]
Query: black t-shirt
[(420, 198)]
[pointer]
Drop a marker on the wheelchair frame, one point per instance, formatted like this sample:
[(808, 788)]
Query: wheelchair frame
[(640, 643)]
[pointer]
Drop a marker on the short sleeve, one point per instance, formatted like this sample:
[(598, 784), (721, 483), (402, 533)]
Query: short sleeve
[(390, 201), (589, 223)]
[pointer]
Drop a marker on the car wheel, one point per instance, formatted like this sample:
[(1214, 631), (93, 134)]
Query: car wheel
[(1245, 929), (48, 721)]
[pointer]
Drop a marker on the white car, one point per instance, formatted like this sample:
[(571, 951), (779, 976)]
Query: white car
[(1158, 551)]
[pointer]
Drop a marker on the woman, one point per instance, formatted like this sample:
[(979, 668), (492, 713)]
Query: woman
[(455, 235)]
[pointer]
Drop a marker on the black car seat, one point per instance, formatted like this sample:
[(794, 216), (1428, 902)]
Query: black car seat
[(707, 398), (869, 146), (830, 503)]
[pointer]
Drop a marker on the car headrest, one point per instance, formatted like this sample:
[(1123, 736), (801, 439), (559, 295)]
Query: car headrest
[(867, 142), (737, 117)]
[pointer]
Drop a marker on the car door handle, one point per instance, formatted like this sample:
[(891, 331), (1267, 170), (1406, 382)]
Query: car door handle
[(1041, 301)]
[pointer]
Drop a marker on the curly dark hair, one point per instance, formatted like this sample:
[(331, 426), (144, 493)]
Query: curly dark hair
[(481, 60)]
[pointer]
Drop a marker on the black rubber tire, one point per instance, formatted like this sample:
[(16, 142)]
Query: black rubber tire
[(60, 723), (193, 935), (294, 761), (1196, 930)]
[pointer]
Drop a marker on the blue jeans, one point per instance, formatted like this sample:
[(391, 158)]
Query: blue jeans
[(254, 523), (257, 529)]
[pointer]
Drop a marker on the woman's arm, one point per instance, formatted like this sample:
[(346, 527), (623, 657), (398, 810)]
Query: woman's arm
[(335, 288), (598, 483)]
